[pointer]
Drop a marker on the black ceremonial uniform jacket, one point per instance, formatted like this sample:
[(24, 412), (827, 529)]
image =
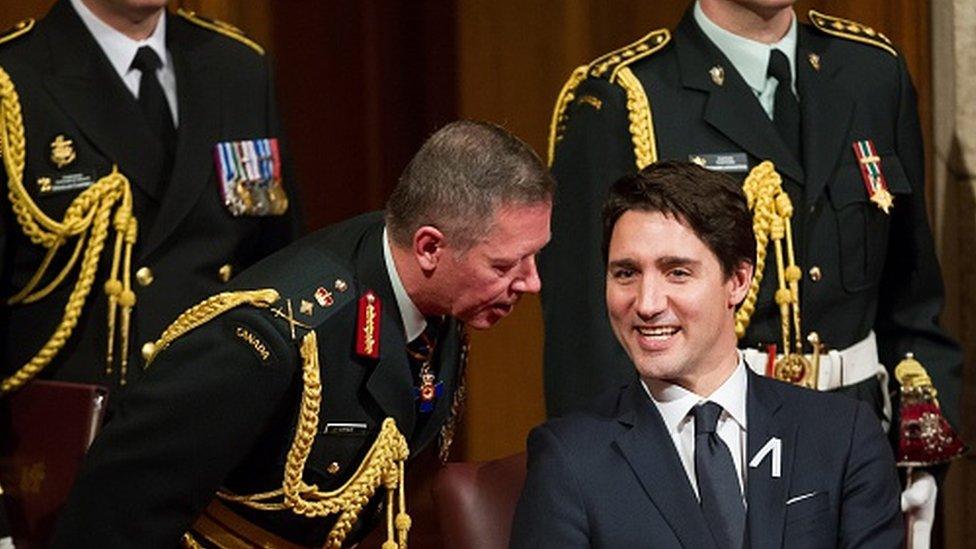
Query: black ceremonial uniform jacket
[(877, 272), (68, 87), (218, 409)]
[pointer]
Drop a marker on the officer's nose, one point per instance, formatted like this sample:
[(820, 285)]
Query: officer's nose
[(528, 282)]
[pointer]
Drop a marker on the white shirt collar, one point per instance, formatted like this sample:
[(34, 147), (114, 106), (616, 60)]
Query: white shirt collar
[(750, 58), (414, 322), (675, 402), (119, 48)]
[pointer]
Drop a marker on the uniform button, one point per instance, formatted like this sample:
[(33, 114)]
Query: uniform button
[(225, 272), (333, 468), (144, 276), (148, 350), (815, 274)]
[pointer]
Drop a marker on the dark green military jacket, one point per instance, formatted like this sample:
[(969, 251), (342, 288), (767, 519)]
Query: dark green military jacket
[(218, 407), (863, 270), (188, 243)]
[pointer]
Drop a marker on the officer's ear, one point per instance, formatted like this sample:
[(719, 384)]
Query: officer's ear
[(428, 247)]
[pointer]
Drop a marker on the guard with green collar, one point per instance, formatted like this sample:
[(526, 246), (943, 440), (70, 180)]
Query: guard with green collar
[(284, 411)]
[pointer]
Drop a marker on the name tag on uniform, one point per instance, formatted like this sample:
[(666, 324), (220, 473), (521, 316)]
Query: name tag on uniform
[(732, 162), (65, 182), (249, 175), (344, 429)]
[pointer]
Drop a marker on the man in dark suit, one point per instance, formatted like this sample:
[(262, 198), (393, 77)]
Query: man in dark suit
[(831, 104), (169, 101), (871, 286), (295, 397), (700, 451)]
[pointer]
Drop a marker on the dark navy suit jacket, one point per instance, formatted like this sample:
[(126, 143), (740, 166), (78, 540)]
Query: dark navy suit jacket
[(613, 478)]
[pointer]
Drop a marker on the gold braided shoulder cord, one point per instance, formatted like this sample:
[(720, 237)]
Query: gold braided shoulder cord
[(641, 118), (87, 219), (204, 312), (558, 123), (382, 465), (772, 214)]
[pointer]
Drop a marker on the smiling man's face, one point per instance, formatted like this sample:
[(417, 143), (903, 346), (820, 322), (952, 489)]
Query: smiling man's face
[(670, 305)]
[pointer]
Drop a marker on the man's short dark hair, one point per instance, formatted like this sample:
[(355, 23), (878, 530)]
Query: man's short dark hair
[(709, 202), (459, 177)]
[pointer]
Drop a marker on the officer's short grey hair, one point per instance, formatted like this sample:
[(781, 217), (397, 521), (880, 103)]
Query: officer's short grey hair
[(459, 178)]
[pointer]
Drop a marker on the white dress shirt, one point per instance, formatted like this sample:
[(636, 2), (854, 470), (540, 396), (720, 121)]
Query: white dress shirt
[(414, 322), (751, 58), (121, 51), (675, 404)]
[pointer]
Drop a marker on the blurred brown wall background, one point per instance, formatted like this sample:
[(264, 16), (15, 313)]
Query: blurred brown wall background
[(362, 83)]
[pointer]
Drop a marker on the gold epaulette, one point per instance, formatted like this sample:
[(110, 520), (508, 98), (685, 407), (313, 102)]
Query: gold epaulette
[(220, 27), (204, 312), (851, 30), (609, 65), (613, 66), (17, 30)]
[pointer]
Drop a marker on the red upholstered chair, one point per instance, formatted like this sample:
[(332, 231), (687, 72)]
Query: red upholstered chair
[(476, 501)]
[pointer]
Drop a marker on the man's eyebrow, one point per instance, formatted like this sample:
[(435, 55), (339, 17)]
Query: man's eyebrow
[(625, 263), (671, 261)]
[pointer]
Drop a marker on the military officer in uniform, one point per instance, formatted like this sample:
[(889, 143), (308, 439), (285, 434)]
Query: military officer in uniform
[(142, 170), (296, 398), (831, 104)]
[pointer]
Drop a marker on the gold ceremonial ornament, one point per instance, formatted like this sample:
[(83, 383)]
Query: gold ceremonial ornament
[(718, 75), (225, 272), (105, 205), (62, 151), (814, 61), (144, 276), (772, 214)]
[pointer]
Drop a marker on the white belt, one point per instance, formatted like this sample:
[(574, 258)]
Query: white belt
[(838, 368)]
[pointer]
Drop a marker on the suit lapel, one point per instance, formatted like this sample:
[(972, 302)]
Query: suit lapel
[(732, 107), (84, 84), (198, 99), (648, 449), (390, 382), (825, 109), (766, 494)]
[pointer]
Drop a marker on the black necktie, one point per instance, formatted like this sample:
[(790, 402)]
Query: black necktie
[(152, 100), (718, 483), (786, 109)]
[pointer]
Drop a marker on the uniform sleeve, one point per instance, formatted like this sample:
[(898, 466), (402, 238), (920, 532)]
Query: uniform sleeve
[(550, 511), (197, 411), (911, 294), (595, 151), (870, 508)]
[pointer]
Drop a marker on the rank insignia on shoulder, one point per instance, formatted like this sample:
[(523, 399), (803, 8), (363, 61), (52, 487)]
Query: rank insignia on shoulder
[(249, 176), (220, 27), (850, 30), (874, 180), (20, 29), (286, 312), (368, 326), (729, 162)]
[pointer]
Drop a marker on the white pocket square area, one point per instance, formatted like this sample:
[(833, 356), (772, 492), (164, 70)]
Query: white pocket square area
[(796, 499)]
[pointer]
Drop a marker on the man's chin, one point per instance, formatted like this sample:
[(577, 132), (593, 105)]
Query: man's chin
[(484, 319)]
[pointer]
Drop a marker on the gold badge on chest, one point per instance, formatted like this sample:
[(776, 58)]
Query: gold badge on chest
[(62, 151)]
